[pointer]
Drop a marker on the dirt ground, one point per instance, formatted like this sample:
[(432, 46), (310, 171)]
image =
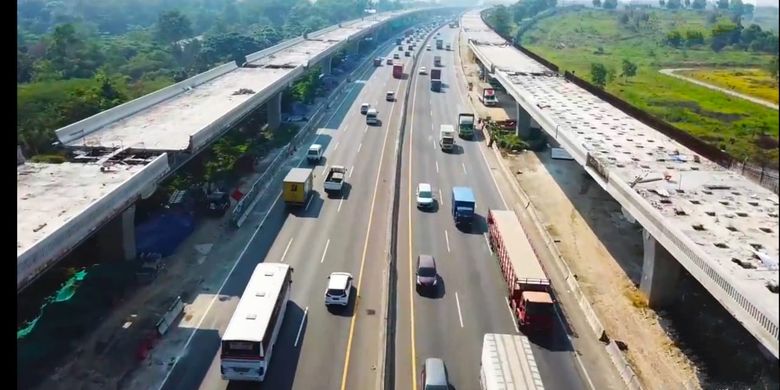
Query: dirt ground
[(602, 249)]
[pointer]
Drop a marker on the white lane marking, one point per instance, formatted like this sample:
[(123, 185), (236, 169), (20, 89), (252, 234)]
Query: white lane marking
[(434, 143), (437, 167), (447, 238), (365, 129), (300, 328), (235, 264), (441, 198), (511, 315), (360, 147), (457, 302), (487, 242), (325, 170), (340, 203), (351, 171), (324, 252), (308, 203), (464, 168), (335, 147), (285, 251)]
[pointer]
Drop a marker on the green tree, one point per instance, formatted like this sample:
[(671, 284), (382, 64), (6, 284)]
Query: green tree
[(662, 3), (722, 35), (501, 20), (699, 4), (598, 75), (173, 26), (750, 34), (673, 4), (597, 3), (693, 38), (673, 38), (736, 7), (610, 4), (687, 3), (723, 4), (773, 68), (623, 19), (629, 69)]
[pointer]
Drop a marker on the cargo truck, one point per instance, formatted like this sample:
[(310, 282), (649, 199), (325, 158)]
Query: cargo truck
[(398, 71), (297, 186), (436, 79), (487, 95), (437, 61), (463, 206), (446, 137), (466, 125), (527, 283), (334, 182), (439, 44), (508, 363)]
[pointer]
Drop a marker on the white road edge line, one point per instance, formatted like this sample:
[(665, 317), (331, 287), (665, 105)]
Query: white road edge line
[(338, 210), (511, 315), (287, 248), (457, 302), (300, 328), (447, 238), (324, 252), (464, 168), (487, 242), (233, 268)]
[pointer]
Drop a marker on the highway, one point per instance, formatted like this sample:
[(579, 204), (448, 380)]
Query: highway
[(471, 299), (317, 348)]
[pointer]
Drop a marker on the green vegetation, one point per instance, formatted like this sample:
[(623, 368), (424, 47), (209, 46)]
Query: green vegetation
[(753, 82), (596, 43), (517, 18), (76, 60)]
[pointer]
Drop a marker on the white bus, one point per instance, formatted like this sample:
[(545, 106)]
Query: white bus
[(250, 336)]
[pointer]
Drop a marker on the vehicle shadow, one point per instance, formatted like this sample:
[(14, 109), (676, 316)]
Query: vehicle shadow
[(344, 194), (436, 292), (478, 225), (555, 341), (345, 311), (286, 353), (311, 209)]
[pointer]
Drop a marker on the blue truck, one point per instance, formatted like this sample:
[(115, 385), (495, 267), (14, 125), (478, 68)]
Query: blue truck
[(463, 205)]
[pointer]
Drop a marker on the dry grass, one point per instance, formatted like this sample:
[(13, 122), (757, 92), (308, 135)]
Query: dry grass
[(754, 82)]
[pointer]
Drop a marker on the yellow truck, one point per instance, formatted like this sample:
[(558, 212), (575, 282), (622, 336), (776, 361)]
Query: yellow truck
[(297, 186)]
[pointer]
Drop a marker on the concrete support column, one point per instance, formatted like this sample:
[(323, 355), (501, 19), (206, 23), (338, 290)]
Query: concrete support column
[(326, 65), (660, 273), (273, 109), (116, 240), (523, 129)]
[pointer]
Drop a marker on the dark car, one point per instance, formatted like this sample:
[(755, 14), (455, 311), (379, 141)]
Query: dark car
[(426, 275)]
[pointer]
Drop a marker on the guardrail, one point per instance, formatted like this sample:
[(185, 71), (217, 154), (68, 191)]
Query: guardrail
[(51, 248)]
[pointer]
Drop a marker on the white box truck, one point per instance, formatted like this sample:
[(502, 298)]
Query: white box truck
[(508, 364), (447, 137)]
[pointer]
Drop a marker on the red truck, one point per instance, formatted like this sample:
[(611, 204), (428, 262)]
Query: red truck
[(398, 71), (528, 285)]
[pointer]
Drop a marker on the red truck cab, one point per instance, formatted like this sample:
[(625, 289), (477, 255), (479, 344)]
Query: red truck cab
[(398, 71)]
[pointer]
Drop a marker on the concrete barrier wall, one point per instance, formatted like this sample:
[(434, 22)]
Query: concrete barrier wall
[(165, 322), (204, 137), (61, 241), (321, 32), (273, 49), (86, 126)]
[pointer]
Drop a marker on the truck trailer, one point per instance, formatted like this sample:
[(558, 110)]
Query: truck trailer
[(297, 186), (435, 79), (466, 125), (528, 285), (463, 206), (398, 71), (508, 363), (446, 137)]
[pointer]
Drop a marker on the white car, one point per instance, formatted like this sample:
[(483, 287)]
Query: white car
[(424, 196), (339, 289), (428, 48), (423, 70)]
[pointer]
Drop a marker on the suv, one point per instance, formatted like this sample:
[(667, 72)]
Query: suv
[(389, 61), (396, 56), (424, 196), (434, 375), (426, 275), (339, 289)]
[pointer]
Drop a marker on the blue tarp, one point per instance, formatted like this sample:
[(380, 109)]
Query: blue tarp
[(163, 233)]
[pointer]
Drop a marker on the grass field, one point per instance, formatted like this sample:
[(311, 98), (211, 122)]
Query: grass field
[(755, 82), (575, 39)]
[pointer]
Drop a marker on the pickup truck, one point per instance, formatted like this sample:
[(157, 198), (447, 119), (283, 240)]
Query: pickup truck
[(334, 182), (463, 205)]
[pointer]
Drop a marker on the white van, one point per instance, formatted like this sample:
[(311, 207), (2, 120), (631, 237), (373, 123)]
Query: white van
[(314, 154), (372, 116)]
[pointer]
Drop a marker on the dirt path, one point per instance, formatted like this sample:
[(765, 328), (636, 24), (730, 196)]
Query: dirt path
[(672, 72)]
